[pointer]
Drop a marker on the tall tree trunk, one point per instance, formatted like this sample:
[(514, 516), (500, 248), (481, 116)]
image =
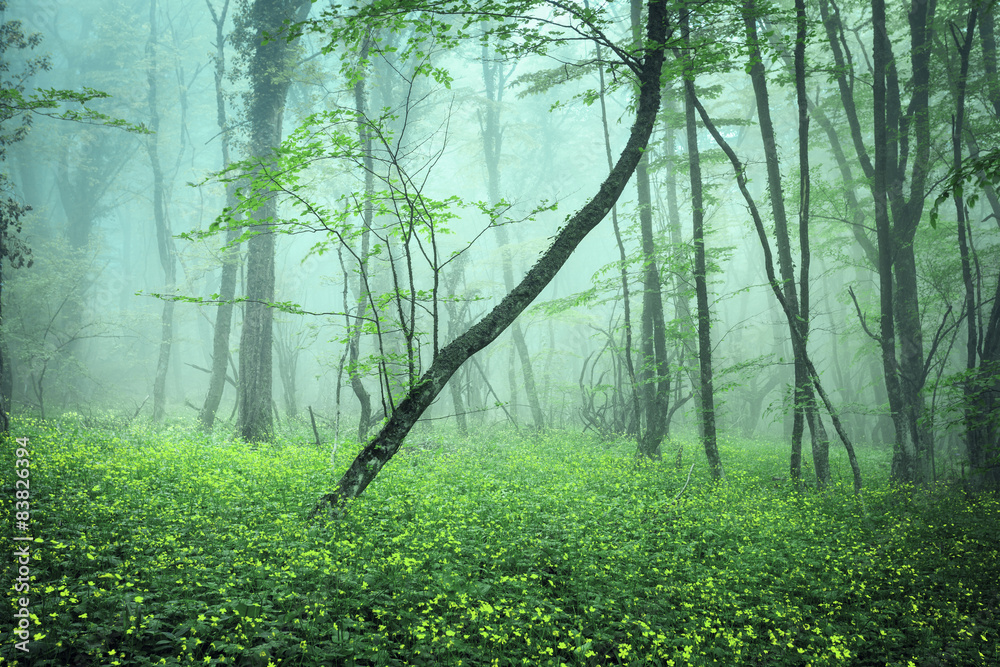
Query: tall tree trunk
[(269, 77), (984, 451), (255, 418), (230, 255), (982, 383), (705, 385), (887, 336), (817, 432), (622, 256), (777, 287), (222, 330), (494, 80), (367, 214), (164, 241), (883, 430), (804, 403), (896, 213), (654, 374), (906, 214), (973, 432), (384, 446), (681, 290)]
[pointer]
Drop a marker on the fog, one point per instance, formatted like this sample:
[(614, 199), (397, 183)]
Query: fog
[(479, 155)]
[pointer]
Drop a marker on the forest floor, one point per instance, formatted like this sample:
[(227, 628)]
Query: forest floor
[(168, 546)]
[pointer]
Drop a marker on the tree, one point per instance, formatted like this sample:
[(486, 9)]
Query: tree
[(355, 327), (898, 178), (630, 425), (979, 381), (647, 66), (980, 387), (164, 239), (796, 296), (706, 391), (269, 70), (17, 111), (653, 374), (495, 80), (230, 258), (778, 287)]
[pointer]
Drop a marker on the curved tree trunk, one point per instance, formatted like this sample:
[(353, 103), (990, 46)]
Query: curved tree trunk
[(777, 287), (384, 446), (804, 407)]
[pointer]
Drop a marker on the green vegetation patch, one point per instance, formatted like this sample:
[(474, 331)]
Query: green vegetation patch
[(174, 547)]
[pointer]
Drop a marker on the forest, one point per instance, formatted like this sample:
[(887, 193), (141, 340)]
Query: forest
[(500, 332)]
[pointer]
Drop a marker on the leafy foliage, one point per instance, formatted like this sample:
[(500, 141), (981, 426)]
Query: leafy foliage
[(17, 110), (177, 547), (980, 172)]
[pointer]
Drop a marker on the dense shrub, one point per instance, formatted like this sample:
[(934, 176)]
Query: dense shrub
[(174, 547)]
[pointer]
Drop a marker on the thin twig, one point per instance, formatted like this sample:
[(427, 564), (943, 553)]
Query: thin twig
[(137, 410), (315, 431), (677, 497), (861, 317)]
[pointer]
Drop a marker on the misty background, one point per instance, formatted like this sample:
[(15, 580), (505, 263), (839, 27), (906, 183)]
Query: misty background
[(483, 152)]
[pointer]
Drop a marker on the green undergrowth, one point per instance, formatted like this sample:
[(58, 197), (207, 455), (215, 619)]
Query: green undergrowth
[(165, 547)]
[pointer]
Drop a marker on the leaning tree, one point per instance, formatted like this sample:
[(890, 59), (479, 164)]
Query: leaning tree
[(645, 60)]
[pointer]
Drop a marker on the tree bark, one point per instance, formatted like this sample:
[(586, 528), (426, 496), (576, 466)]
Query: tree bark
[(681, 288), (494, 81), (982, 379), (985, 460), (887, 338), (896, 213), (804, 407), (633, 384), (164, 240), (230, 257), (367, 214), (817, 432), (269, 76), (222, 330), (654, 375), (384, 446), (776, 286), (706, 391)]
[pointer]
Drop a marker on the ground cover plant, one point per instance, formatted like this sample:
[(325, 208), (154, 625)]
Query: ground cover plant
[(166, 547)]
